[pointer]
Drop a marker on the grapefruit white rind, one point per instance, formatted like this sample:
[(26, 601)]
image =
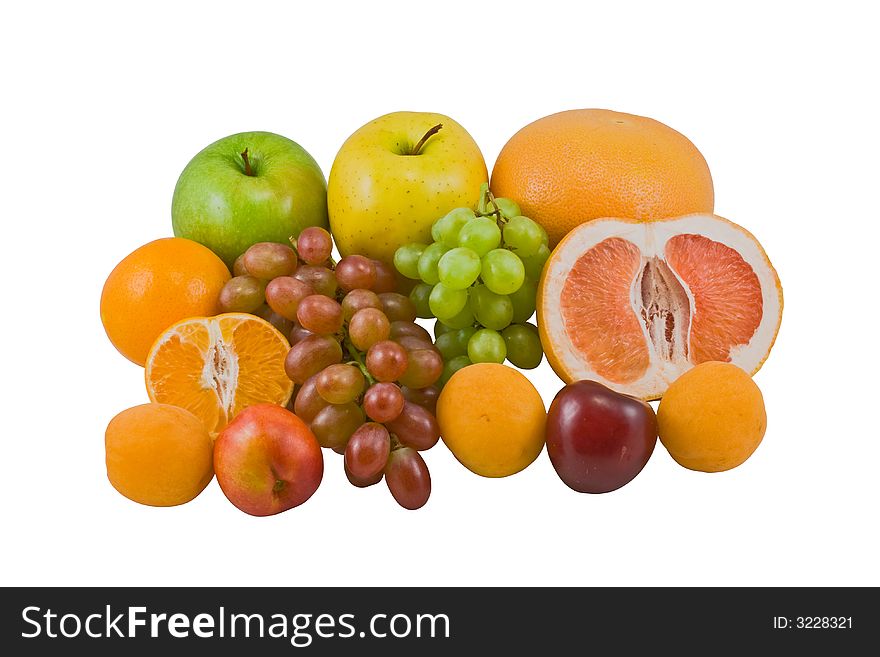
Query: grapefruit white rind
[(651, 239)]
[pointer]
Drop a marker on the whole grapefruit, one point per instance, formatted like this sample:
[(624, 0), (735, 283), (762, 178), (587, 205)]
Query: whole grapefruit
[(574, 166)]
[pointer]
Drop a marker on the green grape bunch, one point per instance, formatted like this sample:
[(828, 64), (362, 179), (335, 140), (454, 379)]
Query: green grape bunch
[(479, 278)]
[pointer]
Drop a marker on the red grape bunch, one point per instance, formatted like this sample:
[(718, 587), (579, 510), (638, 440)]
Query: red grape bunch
[(364, 370)]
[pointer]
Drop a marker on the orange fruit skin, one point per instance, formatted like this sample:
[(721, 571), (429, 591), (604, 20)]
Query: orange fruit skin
[(155, 286), (159, 455), (712, 418), (578, 165), (492, 419)]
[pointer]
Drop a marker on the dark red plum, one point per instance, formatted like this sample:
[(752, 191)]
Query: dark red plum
[(598, 439)]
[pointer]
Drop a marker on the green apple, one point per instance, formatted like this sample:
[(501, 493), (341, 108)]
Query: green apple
[(396, 176), (247, 188)]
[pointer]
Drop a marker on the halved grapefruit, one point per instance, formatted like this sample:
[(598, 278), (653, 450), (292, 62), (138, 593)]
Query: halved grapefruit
[(634, 305)]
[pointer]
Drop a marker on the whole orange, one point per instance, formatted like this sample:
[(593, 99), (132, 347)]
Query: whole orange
[(155, 286), (492, 419), (574, 166), (712, 418), (158, 454)]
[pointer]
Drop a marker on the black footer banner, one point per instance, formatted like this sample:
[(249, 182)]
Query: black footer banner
[(428, 621)]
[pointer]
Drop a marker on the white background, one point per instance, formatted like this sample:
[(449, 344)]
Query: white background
[(104, 104)]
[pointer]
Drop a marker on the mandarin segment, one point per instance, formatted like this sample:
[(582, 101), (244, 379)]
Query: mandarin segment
[(261, 375), (175, 376)]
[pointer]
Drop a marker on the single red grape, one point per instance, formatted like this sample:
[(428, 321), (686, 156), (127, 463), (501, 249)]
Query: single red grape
[(358, 300), (367, 451), (311, 355), (314, 245), (408, 478), (415, 427), (319, 314), (424, 397), (398, 307), (367, 327), (387, 361), (383, 402), (340, 383), (424, 368), (386, 278), (355, 271), (322, 280), (268, 260)]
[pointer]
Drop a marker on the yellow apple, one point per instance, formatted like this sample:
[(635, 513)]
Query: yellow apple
[(394, 177)]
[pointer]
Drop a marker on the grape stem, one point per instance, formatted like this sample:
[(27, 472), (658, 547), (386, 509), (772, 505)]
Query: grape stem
[(247, 163), (433, 131), (357, 358), (481, 206), (488, 198)]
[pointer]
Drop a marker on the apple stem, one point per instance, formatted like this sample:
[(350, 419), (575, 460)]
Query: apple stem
[(433, 131), (247, 163)]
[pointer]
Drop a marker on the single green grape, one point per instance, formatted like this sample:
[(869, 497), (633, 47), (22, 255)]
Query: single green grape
[(428, 262), (487, 346), (406, 259), (440, 328), (480, 235), (509, 208), (502, 271), (492, 310), (446, 302), (452, 366), (419, 296), (459, 268), (534, 265), (523, 345), (447, 228), (523, 236), (454, 343), (545, 238), (462, 337), (447, 345), (437, 228), (523, 301), (462, 319)]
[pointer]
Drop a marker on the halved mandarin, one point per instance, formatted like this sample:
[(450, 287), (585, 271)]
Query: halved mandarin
[(216, 366), (634, 305)]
